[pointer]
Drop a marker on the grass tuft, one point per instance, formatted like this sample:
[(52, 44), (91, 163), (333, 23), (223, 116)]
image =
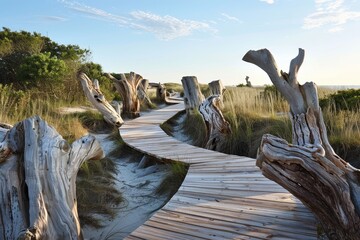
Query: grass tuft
[(173, 180)]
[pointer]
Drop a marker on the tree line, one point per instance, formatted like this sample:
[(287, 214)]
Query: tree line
[(30, 61)]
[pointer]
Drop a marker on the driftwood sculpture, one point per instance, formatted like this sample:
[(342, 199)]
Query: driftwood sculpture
[(161, 93), (309, 168), (141, 91), (192, 94), (217, 88), (38, 171), (128, 89), (95, 96), (217, 126)]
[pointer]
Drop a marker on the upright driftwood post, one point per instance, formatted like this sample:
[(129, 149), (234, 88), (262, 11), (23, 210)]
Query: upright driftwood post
[(217, 126), (128, 89), (38, 171), (95, 96), (161, 93), (217, 88), (141, 91), (192, 93), (309, 168)]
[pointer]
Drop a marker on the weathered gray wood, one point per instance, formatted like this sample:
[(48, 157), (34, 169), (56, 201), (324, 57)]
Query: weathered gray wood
[(217, 88), (141, 91), (5, 125), (37, 177), (192, 93), (95, 96), (117, 105), (222, 197), (217, 127), (309, 168), (128, 89)]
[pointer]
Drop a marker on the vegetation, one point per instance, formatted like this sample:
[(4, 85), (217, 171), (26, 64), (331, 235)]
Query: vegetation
[(96, 192), (253, 112), (191, 126), (174, 87), (342, 100), (173, 180)]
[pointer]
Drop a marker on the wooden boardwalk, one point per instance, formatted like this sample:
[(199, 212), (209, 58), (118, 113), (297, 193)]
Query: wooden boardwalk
[(222, 197)]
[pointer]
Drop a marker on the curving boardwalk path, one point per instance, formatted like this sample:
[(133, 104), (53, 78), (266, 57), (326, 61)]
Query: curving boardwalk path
[(222, 197)]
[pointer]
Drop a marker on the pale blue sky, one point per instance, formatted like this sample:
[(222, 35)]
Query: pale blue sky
[(164, 40)]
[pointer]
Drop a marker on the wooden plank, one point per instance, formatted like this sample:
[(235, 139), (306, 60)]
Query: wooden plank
[(222, 197)]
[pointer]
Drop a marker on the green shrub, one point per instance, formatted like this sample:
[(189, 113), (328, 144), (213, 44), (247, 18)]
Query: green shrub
[(343, 100)]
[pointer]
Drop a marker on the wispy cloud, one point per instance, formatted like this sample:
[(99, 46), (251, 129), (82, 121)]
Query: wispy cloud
[(268, 1), (94, 12), (231, 18), (54, 18), (164, 27), (332, 13)]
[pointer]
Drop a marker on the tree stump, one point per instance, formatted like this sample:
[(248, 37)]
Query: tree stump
[(38, 171), (128, 89), (95, 96), (161, 93), (192, 94), (309, 168), (143, 86), (217, 127), (217, 88)]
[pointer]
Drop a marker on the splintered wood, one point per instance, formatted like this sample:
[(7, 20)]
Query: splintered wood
[(38, 171)]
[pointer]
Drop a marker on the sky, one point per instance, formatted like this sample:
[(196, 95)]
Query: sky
[(164, 40)]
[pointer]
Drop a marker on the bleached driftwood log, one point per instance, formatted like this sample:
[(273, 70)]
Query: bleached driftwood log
[(128, 89), (192, 93), (38, 171), (217, 127), (95, 96), (142, 88), (118, 106), (217, 88), (309, 168)]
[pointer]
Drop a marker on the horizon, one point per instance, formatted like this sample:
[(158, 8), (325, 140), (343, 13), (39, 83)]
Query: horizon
[(166, 40)]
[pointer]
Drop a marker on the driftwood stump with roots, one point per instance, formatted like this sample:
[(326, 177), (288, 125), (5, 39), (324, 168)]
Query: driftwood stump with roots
[(192, 94), (38, 171), (217, 127), (128, 89), (217, 88), (95, 96), (309, 168)]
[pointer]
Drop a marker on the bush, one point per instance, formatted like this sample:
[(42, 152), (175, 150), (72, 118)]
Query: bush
[(343, 100), (42, 71)]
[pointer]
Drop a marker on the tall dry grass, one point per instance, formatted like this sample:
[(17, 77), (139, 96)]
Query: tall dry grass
[(16, 106), (252, 113)]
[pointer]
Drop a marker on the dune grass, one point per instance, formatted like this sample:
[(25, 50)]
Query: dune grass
[(252, 113), (173, 180), (16, 106), (96, 193)]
